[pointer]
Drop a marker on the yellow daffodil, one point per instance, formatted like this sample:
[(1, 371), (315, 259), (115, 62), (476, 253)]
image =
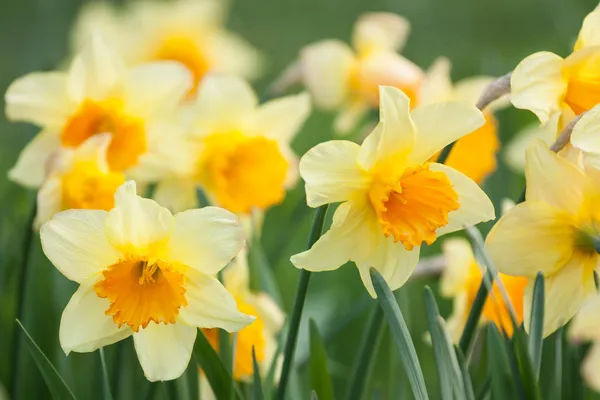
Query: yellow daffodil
[(393, 198), (585, 138), (549, 85), (586, 327), (188, 31), (99, 95), (475, 154), (146, 273), (344, 78), (240, 150), (515, 150), (554, 232), (461, 279)]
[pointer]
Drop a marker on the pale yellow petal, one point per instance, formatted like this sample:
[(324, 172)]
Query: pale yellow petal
[(586, 323), (437, 85), (210, 305), (94, 150), (281, 119), (30, 169), (75, 242), (380, 31), (270, 313), (205, 239), (332, 173), (514, 153), (176, 194), (586, 133), (164, 351), (455, 323), (459, 259), (439, 124), (589, 35), (475, 205), (49, 201), (538, 85), (531, 237), (137, 224), (548, 175), (233, 55), (326, 68), (349, 117), (590, 370), (84, 325)]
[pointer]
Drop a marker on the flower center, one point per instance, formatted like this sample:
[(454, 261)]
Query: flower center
[(415, 206), (583, 90), (243, 172), (93, 117), (141, 291), (252, 335), (185, 51), (85, 186)]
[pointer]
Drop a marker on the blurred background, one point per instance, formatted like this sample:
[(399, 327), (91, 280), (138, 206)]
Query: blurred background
[(479, 36)]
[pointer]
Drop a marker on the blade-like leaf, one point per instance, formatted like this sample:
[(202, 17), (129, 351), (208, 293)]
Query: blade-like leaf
[(57, 386), (468, 334), (503, 386), (401, 335), (257, 387), (558, 365), (105, 380), (319, 373), (536, 325), (526, 370), (466, 377), (262, 278)]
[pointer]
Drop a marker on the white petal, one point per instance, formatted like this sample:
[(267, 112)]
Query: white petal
[(459, 259), (281, 119), (586, 133), (164, 351), (440, 124), (95, 71), (234, 56), (40, 98), (591, 367), (332, 173), (176, 194), (475, 205), (269, 312), (349, 117), (326, 67), (49, 201), (589, 35), (380, 31), (30, 169), (84, 325), (586, 324), (205, 239), (437, 85), (394, 134), (75, 242), (210, 305), (537, 84), (392, 261), (531, 237), (156, 88), (137, 222)]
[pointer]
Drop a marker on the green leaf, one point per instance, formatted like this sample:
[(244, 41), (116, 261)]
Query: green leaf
[(105, 379), (558, 365), (466, 377), (536, 325), (257, 387), (262, 278), (525, 366), (217, 375), (401, 335), (503, 385), (319, 373), (57, 386), (270, 378)]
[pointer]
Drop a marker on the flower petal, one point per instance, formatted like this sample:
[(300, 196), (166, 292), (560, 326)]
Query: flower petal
[(164, 351), (471, 89), (75, 242), (177, 194), (210, 305), (349, 116), (591, 366), (281, 119), (40, 98), (233, 55), (392, 260), (475, 205), (440, 124), (84, 325), (380, 31), (205, 239), (49, 201), (459, 259), (332, 173), (537, 84), (514, 153), (326, 67), (136, 223), (589, 35), (586, 132), (586, 324), (531, 237), (30, 169), (437, 85)]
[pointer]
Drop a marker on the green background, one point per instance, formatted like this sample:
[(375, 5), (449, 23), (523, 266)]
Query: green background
[(479, 36)]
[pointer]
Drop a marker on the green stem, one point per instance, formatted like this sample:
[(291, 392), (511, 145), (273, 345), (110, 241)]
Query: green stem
[(107, 393), (445, 153), (473, 319), (294, 324)]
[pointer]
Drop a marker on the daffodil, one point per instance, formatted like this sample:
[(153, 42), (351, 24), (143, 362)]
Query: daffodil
[(484, 143), (549, 85), (515, 150), (460, 281), (191, 32), (239, 150), (393, 198), (145, 273), (554, 231), (586, 327), (344, 78), (99, 95)]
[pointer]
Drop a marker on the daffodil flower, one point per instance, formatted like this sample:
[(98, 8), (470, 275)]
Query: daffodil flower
[(393, 198), (460, 281), (549, 85), (191, 32), (437, 86), (144, 273), (344, 78), (239, 150), (98, 95), (586, 327), (554, 231)]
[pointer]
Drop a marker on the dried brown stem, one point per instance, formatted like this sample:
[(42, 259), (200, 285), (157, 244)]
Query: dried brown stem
[(496, 89), (565, 136)]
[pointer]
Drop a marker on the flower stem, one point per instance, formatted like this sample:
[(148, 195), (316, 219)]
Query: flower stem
[(294, 322)]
